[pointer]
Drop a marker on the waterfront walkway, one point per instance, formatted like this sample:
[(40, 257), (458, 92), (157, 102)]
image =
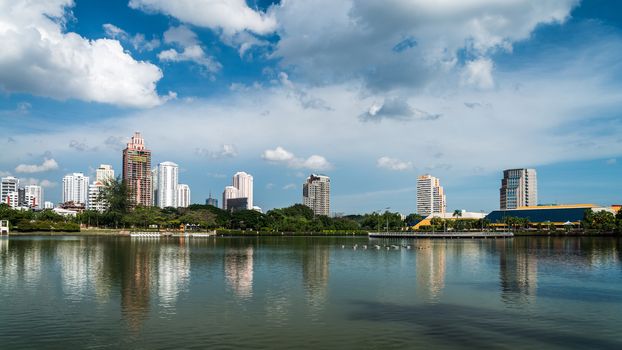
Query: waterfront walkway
[(446, 235)]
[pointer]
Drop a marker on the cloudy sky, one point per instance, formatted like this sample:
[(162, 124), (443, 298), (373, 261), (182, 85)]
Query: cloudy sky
[(372, 93)]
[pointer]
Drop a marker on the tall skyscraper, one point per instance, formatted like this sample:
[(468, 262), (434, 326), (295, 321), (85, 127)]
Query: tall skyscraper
[(166, 193), (230, 192), (8, 185), (33, 196), (104, 172), (244, 183), (430, 196), (519, 188), (137, 171), (316, 194), (76, 188), (183, 196)]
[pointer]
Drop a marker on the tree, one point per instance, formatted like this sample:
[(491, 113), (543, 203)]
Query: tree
[(413, 219), (116, 194), (457, 213)]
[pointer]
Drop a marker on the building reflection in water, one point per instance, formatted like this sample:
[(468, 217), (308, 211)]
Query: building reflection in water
[(315, 273), (430, 263), (72, 258), (239, 271), (136, 282), (518, 273), (173, 272), (4, 245), (32, 264)]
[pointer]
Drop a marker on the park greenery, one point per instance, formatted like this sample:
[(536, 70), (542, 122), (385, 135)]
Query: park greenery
[(298, 218)]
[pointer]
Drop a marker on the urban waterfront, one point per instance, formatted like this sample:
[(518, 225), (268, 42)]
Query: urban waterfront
[(305, 292)]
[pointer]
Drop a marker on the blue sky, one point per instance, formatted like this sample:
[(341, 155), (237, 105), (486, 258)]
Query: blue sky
[(370, 93)]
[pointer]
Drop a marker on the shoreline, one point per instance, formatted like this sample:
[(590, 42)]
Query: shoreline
[(229, 233)]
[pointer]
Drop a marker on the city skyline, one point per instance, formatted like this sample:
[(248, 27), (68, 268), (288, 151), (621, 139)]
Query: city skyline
[(441, 98)]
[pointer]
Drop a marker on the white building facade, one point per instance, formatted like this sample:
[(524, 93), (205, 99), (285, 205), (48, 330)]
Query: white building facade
[(167, 182), (76, 188), (34, 196), (519, 188), (244, 183), (8, 185), (316, 194), (183, 196), (230, 192), (430, 196), (95, 202), (104, 173)]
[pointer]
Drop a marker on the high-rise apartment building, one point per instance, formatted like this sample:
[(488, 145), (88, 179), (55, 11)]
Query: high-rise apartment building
[(104, 172), (244, 183), (166, 185), (33, 196), (95, 202), (137, 171), (76, 188), (242, 188), (183, 196), (8, 185), (230, 192), (519, 188), (316, 194), (430, 196), (12, 199)]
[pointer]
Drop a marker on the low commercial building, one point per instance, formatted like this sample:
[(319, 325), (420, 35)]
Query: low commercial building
[(463, 214), (558, 215)]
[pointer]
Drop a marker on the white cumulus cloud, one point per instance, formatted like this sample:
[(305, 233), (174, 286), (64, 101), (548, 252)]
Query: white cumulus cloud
[(47, 165), (189, 49), (40, 58), (478, 73), (404, 43), (230, 16), (278, 154), (393, 164), (281, 155), (138, 40)]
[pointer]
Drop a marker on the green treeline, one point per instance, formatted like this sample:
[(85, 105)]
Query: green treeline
[(297, 218), (120, 214)]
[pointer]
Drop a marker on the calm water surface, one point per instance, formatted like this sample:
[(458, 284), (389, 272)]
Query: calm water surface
[(121, 292)]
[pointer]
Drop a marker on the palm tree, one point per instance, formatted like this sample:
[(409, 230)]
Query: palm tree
[(457, 213)]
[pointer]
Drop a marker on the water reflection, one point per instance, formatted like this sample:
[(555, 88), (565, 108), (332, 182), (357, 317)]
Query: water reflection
[(173, 272), (136, 284), (32, 265), (315, 271), (467, 288), (239, 271), (430, 263), (4, 245), (518, 274)]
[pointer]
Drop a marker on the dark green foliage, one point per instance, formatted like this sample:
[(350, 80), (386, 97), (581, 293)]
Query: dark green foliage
[(602, 221)]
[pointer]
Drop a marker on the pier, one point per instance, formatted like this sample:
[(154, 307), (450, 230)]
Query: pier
[(444, 235)]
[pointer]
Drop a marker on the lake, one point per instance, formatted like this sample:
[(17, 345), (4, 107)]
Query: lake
[(310, 292)]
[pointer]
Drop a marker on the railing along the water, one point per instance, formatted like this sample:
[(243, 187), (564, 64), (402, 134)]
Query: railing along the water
[(441, 234)]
